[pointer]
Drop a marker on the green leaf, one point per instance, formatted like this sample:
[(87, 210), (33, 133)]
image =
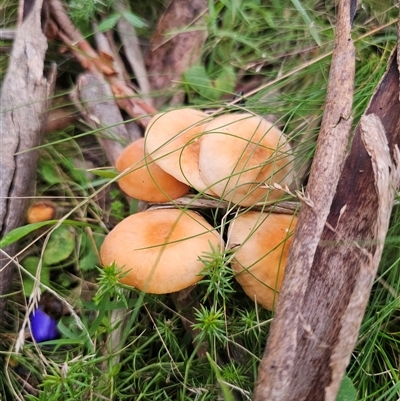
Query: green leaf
[(134, 20), (89, 258), (225, 83), (105, 173), (307, 20), (95, 324), (109, 22), (60, 246), (49, 174), (20, 232), (116, 369), (197, 79), (347, 391), (31, 263), (133, 206), (227, 395), (76, 174), (66, 332)]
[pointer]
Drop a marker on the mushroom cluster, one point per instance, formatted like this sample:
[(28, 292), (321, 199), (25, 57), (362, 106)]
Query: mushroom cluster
[(230, 157)]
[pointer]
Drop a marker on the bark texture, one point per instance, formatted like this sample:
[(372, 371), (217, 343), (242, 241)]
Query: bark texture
[(317, 325), (171, 53), (23, 103), (101, 111), (61, 28)]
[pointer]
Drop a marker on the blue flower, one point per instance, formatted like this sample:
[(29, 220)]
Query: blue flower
[(43, 326)]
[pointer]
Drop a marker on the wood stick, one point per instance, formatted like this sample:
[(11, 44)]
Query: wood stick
[(24, 102), (101, 111), (277, 380), (202, 202), (170, 53), (127, 99), (133, 52)]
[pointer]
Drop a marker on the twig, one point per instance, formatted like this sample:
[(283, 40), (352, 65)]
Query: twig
[(63, 29), (278, 379), (106, 52), (7, 34), (100, 111), (24, 103), (171, 53), (133, 53), (201, 202)]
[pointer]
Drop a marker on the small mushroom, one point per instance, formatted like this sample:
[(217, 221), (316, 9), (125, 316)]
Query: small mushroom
[(41, 211), (147, 181), (241, 152), (159, 249), (261, 242), (172, 140)]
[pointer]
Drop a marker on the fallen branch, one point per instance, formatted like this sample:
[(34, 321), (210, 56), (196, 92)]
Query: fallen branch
[(132, 50), (172, 53), (318, 319), (277, 380), (100, 112), (60, 27), (24, 102), (202, 202)]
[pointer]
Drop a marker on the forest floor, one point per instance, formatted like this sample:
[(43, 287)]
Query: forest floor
[(117, 65)]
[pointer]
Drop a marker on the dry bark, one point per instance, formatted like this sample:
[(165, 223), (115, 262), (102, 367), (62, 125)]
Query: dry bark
[(101, 112), (60, 27), (326, 288), (172, 53), (202, 202), (133, 51), (24, 102), (60, 118)]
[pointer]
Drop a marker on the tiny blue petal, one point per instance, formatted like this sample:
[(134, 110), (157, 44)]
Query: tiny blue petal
[(43, 327)]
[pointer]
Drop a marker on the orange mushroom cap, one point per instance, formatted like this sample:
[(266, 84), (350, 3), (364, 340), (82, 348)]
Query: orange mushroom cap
[(172, 140), (239, 153), (160, 249), (41, 211), (147, 181), (261, 242)]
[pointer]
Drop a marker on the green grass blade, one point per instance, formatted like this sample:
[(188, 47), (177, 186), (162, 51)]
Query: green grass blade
[(307, 20)]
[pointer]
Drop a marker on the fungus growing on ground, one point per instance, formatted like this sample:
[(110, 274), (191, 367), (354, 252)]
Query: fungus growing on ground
[(241, 152), (173, 140), (41, 211), (147, 181), (261, 242), (159, 249)]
